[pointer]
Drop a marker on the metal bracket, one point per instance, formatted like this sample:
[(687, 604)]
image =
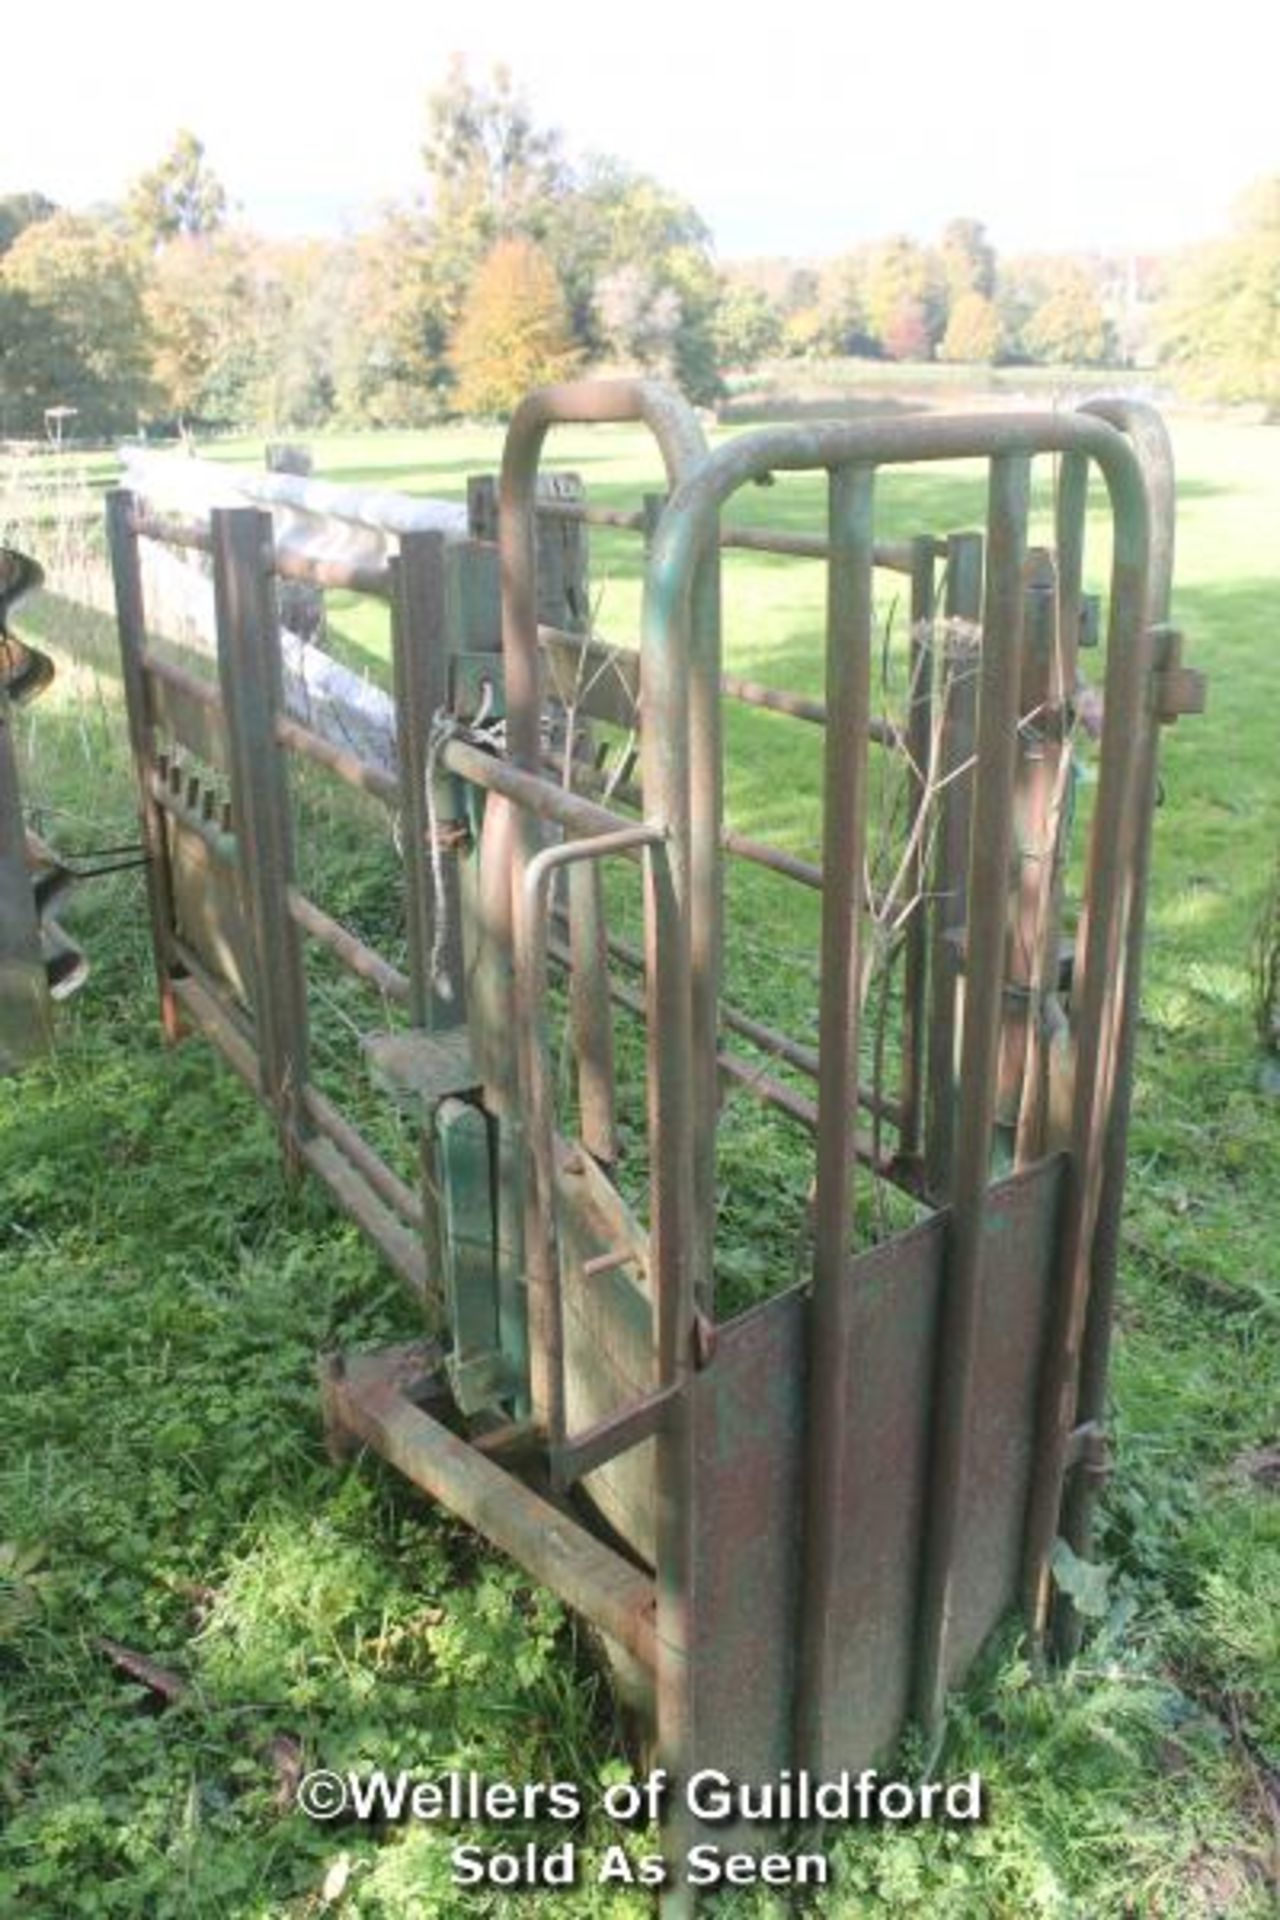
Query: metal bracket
[(1178, 689), (1088, 1452)]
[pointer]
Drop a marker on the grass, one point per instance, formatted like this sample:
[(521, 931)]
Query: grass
[(163, 1294)]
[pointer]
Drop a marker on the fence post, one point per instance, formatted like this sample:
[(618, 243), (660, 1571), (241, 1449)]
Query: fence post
[(251, 676), (563, 592), (131, 623)]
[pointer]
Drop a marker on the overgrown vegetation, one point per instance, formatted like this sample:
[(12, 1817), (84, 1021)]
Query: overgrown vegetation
[(162, 1297)]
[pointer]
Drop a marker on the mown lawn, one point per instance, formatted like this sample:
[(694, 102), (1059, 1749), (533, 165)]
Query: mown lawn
[(163, 1482)]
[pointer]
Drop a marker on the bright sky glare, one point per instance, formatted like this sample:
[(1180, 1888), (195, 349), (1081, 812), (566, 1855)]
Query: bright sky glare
[(797, 129)]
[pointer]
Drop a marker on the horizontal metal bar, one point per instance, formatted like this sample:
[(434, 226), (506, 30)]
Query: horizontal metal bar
[(398, 1244), (770, 1092), (348, 766), (618, 1433), (203, 692), (579, 511), (538, 796), (610, 681), (206, 1007), (803, 1059), (761, 854), (358, 958), (789, 865), (881, 733), (769, 1039), (390, 1189), (799, 706), (893, 556), (555, 1549)]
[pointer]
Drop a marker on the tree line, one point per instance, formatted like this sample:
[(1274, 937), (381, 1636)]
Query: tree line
[(515, 264)]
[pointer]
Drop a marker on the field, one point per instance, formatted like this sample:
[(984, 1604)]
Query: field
[(163, 1483)]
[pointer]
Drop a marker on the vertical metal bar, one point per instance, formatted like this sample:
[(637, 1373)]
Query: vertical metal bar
[(131, 623), (540, 1237), (706, 908), (250, 672), (665, 765), (510, 840), (919, 738), (666, 785), (420, 680), (991, 844), (1107, 944), (667, 1036), (844, 809), (1069, 506), (590, 1012), (1150, 440), (958, 697), (420, 650), (1047, 676)]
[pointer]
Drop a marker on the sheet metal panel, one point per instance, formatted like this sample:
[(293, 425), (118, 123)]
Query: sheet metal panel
[(749, 1416)]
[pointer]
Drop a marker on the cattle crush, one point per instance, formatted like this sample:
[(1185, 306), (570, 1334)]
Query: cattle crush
[(793, 1521)]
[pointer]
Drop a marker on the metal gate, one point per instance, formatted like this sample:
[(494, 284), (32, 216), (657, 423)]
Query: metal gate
[(795, 1525)]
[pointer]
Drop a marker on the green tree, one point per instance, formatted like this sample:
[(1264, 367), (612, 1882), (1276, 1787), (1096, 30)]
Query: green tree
[(394, 315), (973, 331), (306, 288), (493, 173), (636, 262), (514, 333), (904, 296), (1068, 326), (746, 328), (199, 305), (840, 322), (968, 260), (485, 153), (87, 341), (18, 211), (37, 363), (180, 198), (1221, 321)]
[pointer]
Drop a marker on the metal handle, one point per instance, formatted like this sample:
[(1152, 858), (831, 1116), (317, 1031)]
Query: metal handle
[(546, 1310)]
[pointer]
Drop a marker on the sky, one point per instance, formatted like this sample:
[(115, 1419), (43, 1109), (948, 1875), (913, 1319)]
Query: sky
[(794, 129)]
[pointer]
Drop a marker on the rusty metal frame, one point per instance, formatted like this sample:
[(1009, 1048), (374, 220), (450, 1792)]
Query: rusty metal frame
[(686, 528), (944, 1116)]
